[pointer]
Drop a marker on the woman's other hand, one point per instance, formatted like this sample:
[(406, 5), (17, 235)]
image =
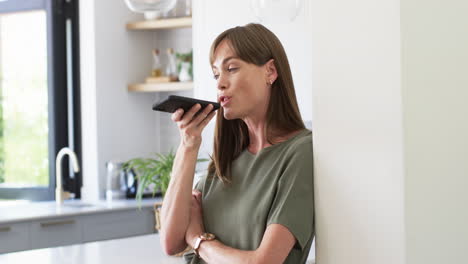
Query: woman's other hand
[(192, 124), (196, 226)]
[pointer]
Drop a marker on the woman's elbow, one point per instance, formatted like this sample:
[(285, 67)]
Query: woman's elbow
[(171, 246), (169, 250), (257, 257)]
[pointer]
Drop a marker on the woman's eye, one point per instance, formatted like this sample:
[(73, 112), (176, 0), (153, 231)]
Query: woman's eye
[(216, 76)]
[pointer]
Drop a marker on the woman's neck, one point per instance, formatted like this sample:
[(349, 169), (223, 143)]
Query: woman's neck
[(257, 135)]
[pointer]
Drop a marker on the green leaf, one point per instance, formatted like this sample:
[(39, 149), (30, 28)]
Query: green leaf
[(156, 170)]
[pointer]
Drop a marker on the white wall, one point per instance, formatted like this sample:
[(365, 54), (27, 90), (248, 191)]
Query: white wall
[(390, 128), (116, 124), (435, 93), (358, 137)]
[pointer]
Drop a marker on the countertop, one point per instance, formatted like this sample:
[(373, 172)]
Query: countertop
[(43, 210), (139, 249), (144, 249)]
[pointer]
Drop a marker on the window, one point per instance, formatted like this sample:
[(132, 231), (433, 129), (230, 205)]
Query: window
[(39, 96)]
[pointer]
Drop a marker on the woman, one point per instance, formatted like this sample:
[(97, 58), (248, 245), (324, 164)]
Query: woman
[(256, 203)]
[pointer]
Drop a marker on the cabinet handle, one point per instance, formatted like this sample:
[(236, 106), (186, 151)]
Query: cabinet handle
[(58, 223), (5, 229)]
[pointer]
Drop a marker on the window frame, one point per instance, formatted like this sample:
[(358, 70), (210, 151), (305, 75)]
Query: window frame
[(61, 116)]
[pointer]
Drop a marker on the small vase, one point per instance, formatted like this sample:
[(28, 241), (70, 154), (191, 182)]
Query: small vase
[(184, 73)]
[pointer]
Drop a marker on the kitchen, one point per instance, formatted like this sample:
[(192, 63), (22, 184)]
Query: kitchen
[(359, 131)]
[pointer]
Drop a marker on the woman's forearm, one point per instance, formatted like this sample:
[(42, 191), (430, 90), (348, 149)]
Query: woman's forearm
[(275, 247), (216, 252), (175, 211)]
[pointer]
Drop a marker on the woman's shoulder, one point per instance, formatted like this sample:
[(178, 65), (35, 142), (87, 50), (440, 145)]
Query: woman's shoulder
[(304, 135), (298, 145), (301, 141)]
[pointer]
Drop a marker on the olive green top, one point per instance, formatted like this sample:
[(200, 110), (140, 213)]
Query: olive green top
[(275, 186)]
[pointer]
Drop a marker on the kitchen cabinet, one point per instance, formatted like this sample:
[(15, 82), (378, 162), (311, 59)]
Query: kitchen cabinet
[(157, 25), (75, 229), (14, 237), (117, 224), (55, 232)]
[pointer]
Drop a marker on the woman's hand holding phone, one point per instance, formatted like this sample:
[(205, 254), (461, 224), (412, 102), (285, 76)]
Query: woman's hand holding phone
[(178, 195), (192, 124)]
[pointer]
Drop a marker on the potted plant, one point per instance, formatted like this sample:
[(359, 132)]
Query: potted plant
[(154, 173)]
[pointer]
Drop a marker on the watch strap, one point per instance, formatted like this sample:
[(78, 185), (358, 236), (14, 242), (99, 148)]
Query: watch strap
[(200, 239)]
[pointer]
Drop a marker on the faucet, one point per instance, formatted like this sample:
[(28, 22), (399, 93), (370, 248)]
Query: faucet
[(59, 193)]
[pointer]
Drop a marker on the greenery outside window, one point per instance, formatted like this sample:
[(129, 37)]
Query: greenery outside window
[(39, 96)]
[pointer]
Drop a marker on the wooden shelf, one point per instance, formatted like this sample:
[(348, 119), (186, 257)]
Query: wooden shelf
[(160, 87), (169, 23)]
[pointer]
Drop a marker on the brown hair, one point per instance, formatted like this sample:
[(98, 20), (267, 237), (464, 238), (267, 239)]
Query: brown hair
[(254, 43)]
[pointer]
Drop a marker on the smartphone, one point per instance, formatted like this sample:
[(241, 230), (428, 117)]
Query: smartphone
[(174, 102)]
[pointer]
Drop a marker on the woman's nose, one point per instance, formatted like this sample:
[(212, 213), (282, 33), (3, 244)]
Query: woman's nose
[(222, 82)]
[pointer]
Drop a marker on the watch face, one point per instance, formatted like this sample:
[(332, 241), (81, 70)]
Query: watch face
[(208, 236)]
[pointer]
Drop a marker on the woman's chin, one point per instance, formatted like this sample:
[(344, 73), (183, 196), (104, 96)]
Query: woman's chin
[(229, 115)]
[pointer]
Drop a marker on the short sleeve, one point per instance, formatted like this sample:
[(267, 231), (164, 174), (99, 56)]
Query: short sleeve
[(200, 183), (293, 204)]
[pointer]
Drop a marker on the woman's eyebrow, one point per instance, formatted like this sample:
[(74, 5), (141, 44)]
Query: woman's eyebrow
[(225, 61), (228, 59)]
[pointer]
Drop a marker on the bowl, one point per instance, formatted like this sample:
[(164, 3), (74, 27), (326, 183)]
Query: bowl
[(151, 9)]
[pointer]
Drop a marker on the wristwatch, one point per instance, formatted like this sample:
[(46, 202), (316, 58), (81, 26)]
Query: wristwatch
[(200, 239)]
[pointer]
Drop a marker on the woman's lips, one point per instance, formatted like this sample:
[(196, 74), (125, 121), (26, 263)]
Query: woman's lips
[(224, 100)]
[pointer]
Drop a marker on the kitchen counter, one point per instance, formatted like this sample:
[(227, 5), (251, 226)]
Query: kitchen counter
[(144, 249), (43, 210), (140, 249)]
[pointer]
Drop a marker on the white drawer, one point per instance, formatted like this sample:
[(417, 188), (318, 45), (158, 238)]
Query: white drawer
[(118, 224), (14, 237), (55, 232)]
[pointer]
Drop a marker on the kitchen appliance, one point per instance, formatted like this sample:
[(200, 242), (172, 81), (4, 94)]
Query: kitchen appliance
[(131, 183), (120, 183)]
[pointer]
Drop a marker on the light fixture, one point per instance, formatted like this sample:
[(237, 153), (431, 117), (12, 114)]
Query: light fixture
[(152, 9)]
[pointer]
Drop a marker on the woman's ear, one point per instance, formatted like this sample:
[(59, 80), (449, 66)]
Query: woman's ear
[(271, 73)]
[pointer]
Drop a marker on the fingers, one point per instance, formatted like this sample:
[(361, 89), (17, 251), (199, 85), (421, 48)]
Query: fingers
[(197, 195), (196, 206), (194, 203), (187, 118), (207, 119), (194, 116), (203, 114), (177, 115)]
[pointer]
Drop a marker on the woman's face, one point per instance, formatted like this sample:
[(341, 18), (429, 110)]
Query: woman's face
[(243, 89)]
